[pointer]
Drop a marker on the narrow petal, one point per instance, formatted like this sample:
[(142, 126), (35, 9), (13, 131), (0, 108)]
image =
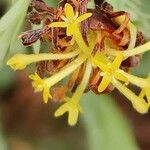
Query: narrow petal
[(141, 107), (73, 117), (117, 62), (70, 30), (101, 57), (61, 110), (69, 12), (142, 93), (46, 94), (148, 96), (18, 62), (101, 65), (58, 24), (104, 83), (83, 17), (121, 77)]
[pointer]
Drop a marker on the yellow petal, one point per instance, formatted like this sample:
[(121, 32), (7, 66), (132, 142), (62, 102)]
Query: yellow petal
[(46, 94), (142, 93), (117, 62), (100, 64), (141, 107), (148, 95), (61, 110), (73, 117), (121, 77), (70, 30), (69, 12), (17, 62), (73, 109), (104, 83), (83, 17), (58, 24), (101, 57)]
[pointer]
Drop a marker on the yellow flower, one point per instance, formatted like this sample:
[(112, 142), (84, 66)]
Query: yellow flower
[(72, 105), (41, 85), (46, 83), (110, 71), (70, 19), (146, 90), (144, 84), (138, 103), (73, 108), (20, 61)]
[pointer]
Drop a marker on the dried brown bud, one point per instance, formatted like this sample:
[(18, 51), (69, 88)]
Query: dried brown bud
[(29, 37)]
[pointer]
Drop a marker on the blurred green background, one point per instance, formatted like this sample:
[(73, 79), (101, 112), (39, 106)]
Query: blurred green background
[(108, 122)]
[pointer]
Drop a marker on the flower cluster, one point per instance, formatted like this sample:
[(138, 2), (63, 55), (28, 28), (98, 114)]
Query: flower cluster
[(92, 50)]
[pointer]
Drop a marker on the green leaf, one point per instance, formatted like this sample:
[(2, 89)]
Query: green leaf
[(106, 127), (7, 77), (4, 40), (13, 13), (10, 26), (15, 42), (117, 4), (37, 45), (52, 3)]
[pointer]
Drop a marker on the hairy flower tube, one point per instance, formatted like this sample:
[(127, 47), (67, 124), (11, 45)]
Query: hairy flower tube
[(92, 51), (72, 105), (20, 61)]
